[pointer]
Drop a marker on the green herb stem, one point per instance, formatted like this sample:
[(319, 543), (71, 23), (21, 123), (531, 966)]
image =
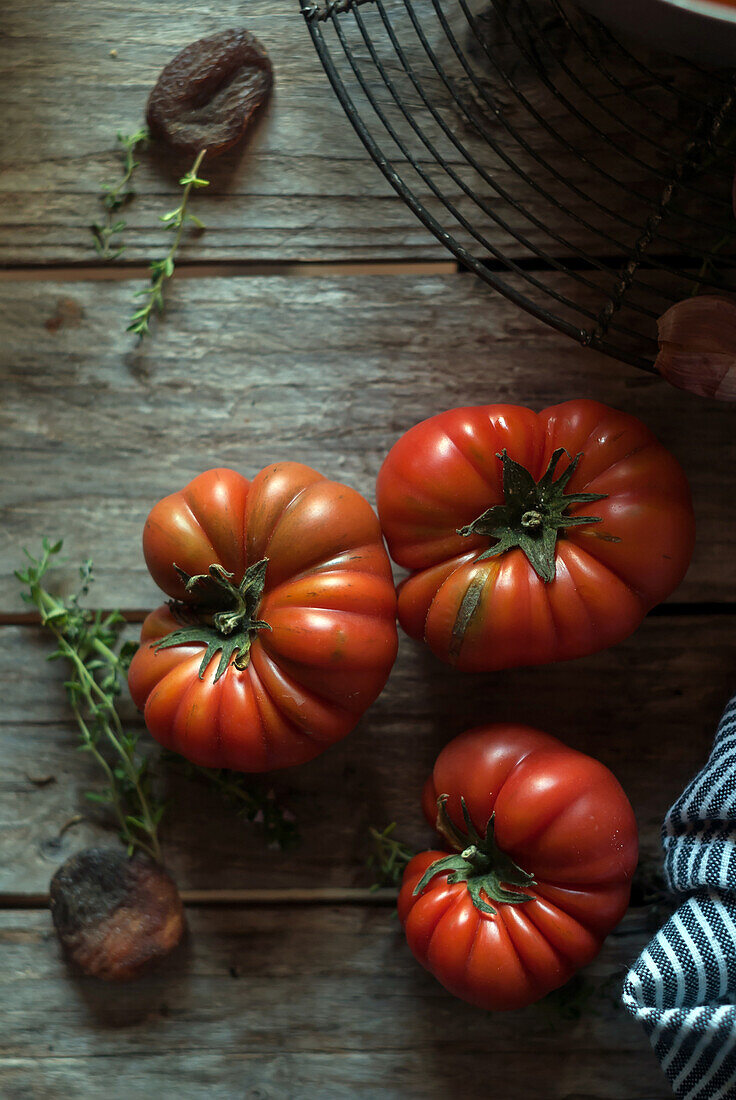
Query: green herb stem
[(253, 803), (116, 195), (86, 639), (389, 857), (161, 270), (89, 641)]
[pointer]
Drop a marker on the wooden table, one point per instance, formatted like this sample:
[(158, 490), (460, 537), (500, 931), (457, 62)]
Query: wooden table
[(314, 320)]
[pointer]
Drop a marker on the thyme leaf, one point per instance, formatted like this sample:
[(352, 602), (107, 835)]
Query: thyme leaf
[(389, 857), (90, 642), (161, 270), (255, 804), (116, 195)]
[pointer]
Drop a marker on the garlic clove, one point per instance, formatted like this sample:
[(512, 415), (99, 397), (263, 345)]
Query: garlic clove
[(697, 346)]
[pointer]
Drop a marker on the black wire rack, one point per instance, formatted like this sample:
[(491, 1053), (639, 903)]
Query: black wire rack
[(586, 179)]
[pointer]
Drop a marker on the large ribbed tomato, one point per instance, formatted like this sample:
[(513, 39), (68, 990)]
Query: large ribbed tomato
[(532, 537), (549, 845), (282, 630)]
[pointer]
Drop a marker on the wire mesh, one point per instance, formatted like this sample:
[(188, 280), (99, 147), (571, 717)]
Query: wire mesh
[(586, 179)]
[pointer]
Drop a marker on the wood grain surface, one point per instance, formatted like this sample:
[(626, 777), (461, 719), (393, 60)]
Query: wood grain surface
[(276, 1002), (243, 372), (72, 75), (647, 709), (330, 370), (295, 980)]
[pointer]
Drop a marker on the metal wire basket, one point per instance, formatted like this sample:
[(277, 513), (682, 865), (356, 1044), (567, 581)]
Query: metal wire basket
[(587, 180)]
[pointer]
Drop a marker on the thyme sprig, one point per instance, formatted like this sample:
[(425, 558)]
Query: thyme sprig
[(116, 195), (388, 858), (256, 805), (161, 270), (90, 641)]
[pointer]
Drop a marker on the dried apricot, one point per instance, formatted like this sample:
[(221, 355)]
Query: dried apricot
[(207, 97), (115, 915)]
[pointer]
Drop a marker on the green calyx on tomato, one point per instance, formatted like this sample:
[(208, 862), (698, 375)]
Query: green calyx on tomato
[(480, 863), (532, 514), (227, 622)]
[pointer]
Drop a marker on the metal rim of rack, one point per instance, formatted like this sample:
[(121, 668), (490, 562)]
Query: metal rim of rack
[(378, 52)]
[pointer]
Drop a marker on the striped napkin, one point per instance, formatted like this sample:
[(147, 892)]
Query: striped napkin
[(683, 985)]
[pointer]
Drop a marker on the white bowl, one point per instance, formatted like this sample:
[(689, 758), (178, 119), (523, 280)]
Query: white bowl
[(702, 30)]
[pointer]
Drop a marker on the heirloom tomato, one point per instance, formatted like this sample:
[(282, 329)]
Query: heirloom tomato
[(545, 846), (281, 630), (532, 537)]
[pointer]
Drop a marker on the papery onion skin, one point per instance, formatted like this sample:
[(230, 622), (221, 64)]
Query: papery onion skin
[(697, 346)]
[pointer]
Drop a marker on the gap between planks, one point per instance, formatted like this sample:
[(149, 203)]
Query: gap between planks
[(137, 615), (71, 273), (634, 921), (189, 269), (335, 895)]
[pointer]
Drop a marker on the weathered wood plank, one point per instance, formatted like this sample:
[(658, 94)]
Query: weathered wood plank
[(328, 1002), (306, 188), (242, 372), (648, 709), (630, 1075)]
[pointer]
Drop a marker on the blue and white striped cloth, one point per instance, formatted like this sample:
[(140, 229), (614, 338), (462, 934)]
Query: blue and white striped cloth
[(683, 985)]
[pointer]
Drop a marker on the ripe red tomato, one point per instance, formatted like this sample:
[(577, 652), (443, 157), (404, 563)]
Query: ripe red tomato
[(532, 537), (283, 628), (549, 845)]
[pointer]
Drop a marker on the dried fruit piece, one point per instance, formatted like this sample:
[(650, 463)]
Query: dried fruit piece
[(115, 915), (209, 94)]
